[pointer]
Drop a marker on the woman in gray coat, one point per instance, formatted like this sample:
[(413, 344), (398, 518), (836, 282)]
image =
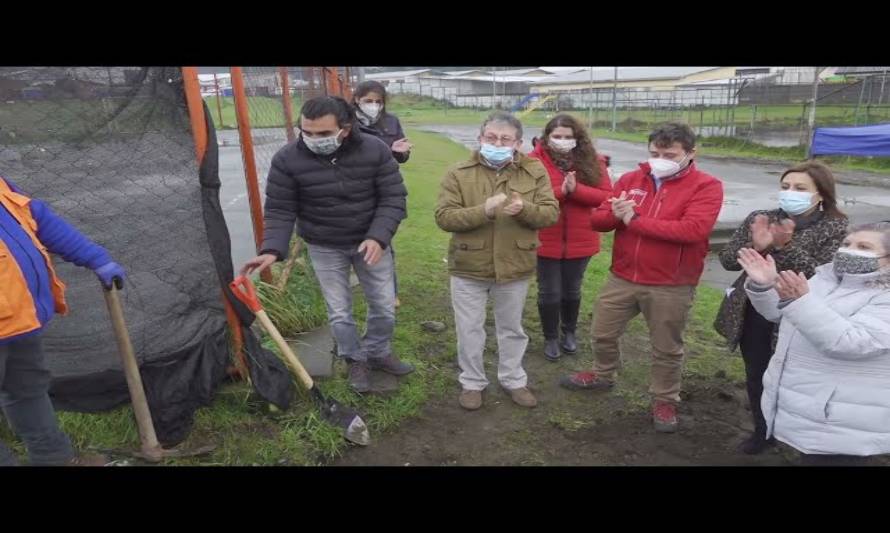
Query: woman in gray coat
[(827, 388)]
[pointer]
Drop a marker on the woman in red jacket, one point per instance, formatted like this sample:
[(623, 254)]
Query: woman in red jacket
[(580, 182)]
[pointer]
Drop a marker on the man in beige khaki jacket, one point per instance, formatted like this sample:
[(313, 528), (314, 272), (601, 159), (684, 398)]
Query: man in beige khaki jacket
[(493, 204)]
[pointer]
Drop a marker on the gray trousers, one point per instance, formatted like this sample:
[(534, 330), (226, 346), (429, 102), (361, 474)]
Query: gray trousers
[(469, 298), (24, 386), (332, 267)]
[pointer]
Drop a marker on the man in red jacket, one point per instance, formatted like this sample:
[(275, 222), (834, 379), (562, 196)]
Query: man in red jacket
[(662, 215)]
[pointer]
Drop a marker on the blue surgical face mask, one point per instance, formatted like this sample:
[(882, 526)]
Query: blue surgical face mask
[(795, 202), (496, 155)]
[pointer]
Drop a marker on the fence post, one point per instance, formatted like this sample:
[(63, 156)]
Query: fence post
[(811, 124), (218, 97), (287, 105), (859, 103), (803, 112), (753, 121), (199, 132), (247, 154)]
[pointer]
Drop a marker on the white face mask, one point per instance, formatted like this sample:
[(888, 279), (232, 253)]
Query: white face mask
[(662, 168), (563, 145), (371, 110)]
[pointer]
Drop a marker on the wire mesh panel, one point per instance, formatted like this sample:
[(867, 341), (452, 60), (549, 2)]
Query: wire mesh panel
[(271, 90), (268, 120)]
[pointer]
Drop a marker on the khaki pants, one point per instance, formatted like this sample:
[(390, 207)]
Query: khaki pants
[(666, 310), (469, 298)]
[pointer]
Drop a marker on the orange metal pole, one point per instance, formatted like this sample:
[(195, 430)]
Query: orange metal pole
[(287, 104), (199, 133), (347, 86), (196, 110), (247, 153), (335, 84), (332, 82)]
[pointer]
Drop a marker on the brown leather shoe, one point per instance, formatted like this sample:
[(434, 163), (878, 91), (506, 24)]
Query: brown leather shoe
[(470, 399), (88, 460), (522, 396)]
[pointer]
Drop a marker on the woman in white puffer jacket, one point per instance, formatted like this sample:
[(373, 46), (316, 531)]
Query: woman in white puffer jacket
[(827, 388)]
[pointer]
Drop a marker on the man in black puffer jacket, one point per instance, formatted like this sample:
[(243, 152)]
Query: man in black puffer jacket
[(344, 191)]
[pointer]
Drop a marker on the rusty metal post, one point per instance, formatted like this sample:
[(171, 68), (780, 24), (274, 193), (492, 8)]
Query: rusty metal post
[(199, 133), (329, 81), (249, 157), (333, 82), (287, 104), (347, 85)]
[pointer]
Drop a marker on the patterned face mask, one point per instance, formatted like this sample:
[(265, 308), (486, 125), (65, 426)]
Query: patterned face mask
[(849, 261), (323, 145)]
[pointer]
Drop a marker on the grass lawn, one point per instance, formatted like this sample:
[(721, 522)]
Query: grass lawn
[(247, 432)]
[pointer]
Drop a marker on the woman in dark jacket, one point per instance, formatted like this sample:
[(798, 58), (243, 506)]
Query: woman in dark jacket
[(580, 183), (802, 234), (369, 100)]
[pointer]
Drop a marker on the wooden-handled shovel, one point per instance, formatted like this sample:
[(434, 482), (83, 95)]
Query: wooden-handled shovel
[(354, 428), (151, 449)]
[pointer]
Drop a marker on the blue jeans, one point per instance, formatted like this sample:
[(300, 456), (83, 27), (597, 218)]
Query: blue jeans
[(395, 277), (332, 267), (24, 386)]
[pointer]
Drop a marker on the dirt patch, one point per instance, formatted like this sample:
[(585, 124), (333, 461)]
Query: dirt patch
[(575, 428)]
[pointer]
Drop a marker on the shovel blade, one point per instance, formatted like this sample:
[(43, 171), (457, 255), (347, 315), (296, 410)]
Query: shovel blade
[(354, 428), (357, 432)]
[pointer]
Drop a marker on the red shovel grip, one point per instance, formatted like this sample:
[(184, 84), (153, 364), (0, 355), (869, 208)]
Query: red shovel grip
[(246, 293)]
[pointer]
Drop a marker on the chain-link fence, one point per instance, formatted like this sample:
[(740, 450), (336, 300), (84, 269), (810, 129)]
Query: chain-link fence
[(111, 150), (770, 108), (270, 101), (258, 111), (273, 97)]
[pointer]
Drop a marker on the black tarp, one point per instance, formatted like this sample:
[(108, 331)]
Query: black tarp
[(111, 150)]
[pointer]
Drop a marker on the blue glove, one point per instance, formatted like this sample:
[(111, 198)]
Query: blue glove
[(108, 272)]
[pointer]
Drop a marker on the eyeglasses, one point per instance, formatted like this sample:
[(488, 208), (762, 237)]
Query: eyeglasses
[(491, 139)]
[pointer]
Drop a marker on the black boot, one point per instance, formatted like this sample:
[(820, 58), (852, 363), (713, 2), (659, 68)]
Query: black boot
[(550, 324), (569, 310), (757, 442), (551, 349)]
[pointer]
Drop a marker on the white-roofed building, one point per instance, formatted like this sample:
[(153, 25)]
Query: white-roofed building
[(652, 87)]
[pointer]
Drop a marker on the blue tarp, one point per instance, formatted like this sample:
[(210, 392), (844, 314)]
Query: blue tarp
[(857, 140)]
